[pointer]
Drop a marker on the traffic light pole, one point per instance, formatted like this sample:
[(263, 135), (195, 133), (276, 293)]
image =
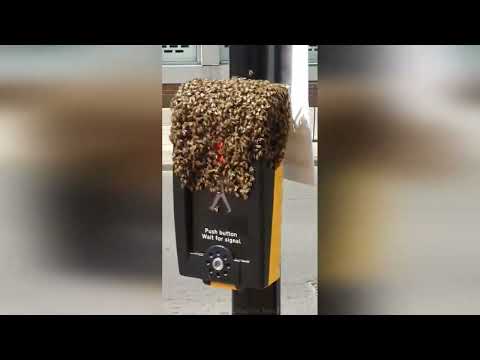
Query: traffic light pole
[(260, 62)]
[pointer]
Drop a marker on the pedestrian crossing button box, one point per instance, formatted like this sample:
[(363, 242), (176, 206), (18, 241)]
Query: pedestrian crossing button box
[(229, 139)]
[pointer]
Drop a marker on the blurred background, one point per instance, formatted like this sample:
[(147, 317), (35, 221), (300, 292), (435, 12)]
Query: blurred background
[(80, 179), (399, 170)]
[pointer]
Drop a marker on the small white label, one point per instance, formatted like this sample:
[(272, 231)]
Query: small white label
[(221, 236)]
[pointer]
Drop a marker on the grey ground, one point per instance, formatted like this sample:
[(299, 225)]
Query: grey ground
[(36, 279)]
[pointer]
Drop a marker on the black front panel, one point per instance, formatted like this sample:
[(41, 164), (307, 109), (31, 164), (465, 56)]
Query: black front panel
[(243, 228), (220, 228)]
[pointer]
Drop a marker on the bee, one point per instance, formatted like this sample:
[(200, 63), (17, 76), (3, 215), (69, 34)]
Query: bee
[(252, 117)]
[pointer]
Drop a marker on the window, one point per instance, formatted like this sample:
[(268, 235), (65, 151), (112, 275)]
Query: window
[(224, 54), (313, 54), (180, 54)]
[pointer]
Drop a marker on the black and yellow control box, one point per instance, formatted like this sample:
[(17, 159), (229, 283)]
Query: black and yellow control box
[(229, 139), (230, 242)]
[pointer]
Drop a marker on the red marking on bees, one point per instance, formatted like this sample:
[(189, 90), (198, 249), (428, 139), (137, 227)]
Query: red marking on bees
[(219, 149)]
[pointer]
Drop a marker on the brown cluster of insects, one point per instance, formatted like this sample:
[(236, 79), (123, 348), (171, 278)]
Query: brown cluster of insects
[(220, 128)]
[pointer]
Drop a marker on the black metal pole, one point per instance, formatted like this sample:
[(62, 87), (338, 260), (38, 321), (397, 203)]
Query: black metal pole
[(257, 302), (262, 62)]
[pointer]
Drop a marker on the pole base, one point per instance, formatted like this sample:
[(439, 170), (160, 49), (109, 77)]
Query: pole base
[(257, 302)]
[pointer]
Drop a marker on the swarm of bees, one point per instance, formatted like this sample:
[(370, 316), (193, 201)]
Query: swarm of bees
[(220, 128)]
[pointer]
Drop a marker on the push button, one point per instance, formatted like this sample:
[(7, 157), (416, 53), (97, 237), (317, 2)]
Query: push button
[(217, 264)]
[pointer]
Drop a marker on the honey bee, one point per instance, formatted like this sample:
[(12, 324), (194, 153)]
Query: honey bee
[(251, 117)]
